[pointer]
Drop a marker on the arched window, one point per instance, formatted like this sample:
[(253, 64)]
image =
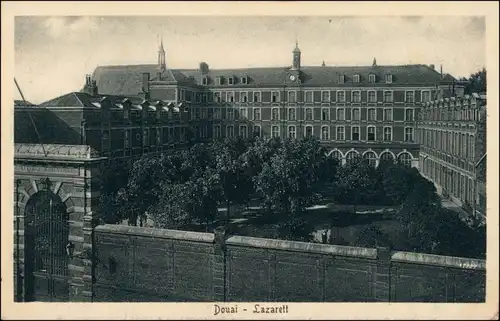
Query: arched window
[(405, 158), (371, 157), (386, 157), (351, 157), (337, 155)]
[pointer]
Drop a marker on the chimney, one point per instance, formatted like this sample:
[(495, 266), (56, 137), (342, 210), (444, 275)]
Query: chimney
[(95, 90), (441, 71), (323, 64), (145, 82), (204, 69), (158, 75)]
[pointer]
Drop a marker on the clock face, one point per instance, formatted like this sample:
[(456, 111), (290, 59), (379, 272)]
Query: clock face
[(292, 77)]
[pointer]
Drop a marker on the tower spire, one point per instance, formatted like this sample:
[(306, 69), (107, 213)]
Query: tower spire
[(161, 56)]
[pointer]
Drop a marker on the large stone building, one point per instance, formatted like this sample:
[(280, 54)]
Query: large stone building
[(128, 110), (452, 137), (122, 112)]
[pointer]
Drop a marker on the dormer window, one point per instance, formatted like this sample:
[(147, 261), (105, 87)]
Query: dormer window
[(230, 81), (341, 79), (244, 80), (204, 80), (355, 79), (388, 78), (371, 78), (219, 81)]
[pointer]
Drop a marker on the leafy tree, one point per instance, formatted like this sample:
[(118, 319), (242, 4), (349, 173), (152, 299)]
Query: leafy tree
[(181, 203), (372, 236), (230, 166), (476, 83), (354, 182)]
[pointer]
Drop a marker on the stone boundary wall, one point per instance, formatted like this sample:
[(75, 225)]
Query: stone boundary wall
[(146, 264)]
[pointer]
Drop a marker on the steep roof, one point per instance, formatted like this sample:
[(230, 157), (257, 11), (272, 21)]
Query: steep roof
[(127, 80), (22, 103), (82, 99)]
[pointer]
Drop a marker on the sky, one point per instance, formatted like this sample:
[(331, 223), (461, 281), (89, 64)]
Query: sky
[(53, 54)]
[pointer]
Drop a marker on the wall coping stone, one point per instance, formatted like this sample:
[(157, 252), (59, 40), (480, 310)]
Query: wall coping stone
[(156, 233), (439, 260), (295, 246)]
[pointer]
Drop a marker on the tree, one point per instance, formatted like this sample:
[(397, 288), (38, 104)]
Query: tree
[(232, 170), (288, 183), (476, 83), (372, 236), (354, 182), (181, 203)]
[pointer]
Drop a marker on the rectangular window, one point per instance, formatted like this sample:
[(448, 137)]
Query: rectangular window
[(275, 97), (355, 78), (243, 113), (217, 113), (243, 97), (325, 114), (217, 97), (309, 131), (341, 79), (409, 134), (387, 114), (356, 96), (230, 97), (256, 131), (388, 96), (204, 132), (291, 114), (426, 95), (291, 132), (210, 113), (275, 131), (372, 96), (309, 97), (409, 114), (410, 97), (325, 96), (230, 81), (355, 133), (309, 114), (230, 113), (371, 114), (217, 132), (388, 79), (256, 114), (325, 133), (292, 97), (340, 133), (256, 97), (355, 114), (243, 131), (275, 114), (340, 114), (371, 134), (371, 78), (204, 113), (229, 131), (341, 96), (387, 134)]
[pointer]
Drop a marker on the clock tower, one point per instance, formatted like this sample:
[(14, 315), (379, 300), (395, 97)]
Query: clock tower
[(296, 57)]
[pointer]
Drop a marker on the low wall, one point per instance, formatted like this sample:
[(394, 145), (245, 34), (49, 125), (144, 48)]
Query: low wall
[(144, 264)]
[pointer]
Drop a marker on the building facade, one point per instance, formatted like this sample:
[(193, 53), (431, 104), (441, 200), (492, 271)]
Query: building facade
[(355, 111), (452, 137)]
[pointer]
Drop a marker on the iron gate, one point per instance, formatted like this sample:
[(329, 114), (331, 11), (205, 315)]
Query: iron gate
[(46, 232)]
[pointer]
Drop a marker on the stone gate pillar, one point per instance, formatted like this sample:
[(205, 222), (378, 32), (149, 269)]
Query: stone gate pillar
[(72, 174)]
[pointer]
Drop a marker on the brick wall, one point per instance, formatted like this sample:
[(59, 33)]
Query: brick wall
[(142, 264)]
